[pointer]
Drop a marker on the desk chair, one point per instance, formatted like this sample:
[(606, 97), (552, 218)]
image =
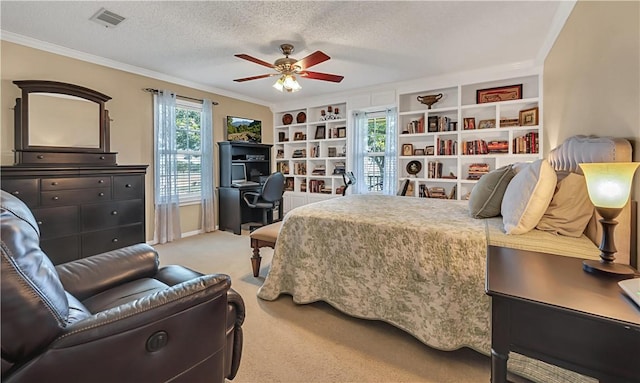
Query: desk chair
[(269, 197)]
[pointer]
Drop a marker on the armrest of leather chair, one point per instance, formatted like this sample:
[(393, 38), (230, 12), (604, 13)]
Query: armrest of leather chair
[(201, 302), (251, 194), (235, 312), (89, 276)]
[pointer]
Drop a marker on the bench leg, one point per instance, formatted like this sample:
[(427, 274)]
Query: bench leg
[(255, 260)]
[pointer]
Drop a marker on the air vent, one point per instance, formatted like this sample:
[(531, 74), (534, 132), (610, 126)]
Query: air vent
[(107, 18)]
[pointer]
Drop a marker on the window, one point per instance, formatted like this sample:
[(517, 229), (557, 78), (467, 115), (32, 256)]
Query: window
[(188, 150), (374, 157)]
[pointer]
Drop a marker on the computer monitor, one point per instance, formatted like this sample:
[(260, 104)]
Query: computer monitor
[(238, 173)]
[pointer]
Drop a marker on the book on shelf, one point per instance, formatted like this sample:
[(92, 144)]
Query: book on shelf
[(339, 168), (415, 126), (498, 146), (299, 153), (434, 169), (300, 169), (283, 167), (474, 147), (477, 170), (319, 170), (526, 144), (509, 122), (447, 147)]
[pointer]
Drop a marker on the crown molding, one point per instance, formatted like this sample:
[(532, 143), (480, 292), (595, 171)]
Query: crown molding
[(72, 53), (559, 19)]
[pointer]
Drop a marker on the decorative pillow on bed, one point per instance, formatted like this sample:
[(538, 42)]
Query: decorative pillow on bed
[(570, 209), (527, 197), (486, 195)]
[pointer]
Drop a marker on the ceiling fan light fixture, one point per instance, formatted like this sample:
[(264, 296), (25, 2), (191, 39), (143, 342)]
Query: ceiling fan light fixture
[(287, 82), (290, 84), (279, 85)]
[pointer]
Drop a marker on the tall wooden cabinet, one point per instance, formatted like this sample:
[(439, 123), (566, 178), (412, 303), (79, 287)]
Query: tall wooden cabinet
[(82, 210)]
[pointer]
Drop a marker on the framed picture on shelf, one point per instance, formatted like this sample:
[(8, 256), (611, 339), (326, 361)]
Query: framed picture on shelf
[(407, 149), (469, 123), (429, 150), (529, 117), (342, 132), (432, 124), (487, 124), (502, 93), (298, 136), (418, 152), (320, 132)]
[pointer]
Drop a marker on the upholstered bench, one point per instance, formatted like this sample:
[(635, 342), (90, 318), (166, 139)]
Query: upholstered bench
[(263, 237)]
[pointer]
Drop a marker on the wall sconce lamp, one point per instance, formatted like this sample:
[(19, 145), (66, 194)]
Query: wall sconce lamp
[(287, 82), (609, 186)]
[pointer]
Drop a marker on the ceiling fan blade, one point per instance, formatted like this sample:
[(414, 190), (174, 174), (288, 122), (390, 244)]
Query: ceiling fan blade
[(322, 76), (313, 59), (254, 60), (255, 77)]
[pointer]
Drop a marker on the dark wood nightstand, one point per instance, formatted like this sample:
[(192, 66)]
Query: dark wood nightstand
[(546, 307)]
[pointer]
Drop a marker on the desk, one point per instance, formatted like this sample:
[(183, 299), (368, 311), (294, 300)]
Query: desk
[(233, 210), (546, 307)]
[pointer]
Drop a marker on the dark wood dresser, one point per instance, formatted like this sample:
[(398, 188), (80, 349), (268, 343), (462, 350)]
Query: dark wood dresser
[(82, 210)]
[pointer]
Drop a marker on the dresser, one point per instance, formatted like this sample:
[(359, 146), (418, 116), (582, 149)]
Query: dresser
[(81, 210)]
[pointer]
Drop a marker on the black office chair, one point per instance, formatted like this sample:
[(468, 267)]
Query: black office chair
[(268, 199)]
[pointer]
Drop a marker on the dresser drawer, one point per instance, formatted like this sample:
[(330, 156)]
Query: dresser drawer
[(26, 190), (102, 216), (50, 158), (57, 221), (47, 184), (128, 187), (62, 249), (74, 197), (106, 240)]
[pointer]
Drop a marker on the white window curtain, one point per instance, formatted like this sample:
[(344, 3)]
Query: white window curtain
[(167, 214), (206, 142), (390, 176), (359, 149)]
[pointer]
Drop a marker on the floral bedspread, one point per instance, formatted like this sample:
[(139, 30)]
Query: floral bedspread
[(395, 259)]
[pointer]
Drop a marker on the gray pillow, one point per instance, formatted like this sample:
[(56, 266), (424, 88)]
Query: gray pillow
[(486, 197)]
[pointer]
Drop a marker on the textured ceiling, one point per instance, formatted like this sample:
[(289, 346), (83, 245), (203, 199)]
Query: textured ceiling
[(370, 43)]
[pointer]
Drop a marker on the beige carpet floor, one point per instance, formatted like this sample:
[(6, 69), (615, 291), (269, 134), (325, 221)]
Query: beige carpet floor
[(285, 342)]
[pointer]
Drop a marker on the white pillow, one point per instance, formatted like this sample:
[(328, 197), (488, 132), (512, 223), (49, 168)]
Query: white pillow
[(527, 197)]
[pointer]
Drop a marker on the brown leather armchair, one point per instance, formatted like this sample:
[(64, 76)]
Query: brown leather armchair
[(112, 317)]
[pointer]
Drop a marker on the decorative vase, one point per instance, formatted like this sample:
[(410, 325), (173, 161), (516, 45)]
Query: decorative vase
[(430, 99)]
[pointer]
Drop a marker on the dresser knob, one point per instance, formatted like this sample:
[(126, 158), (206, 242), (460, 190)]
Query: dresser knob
[(101, 194), (115, 212), (101, 181), (54, 183), (127, 185), (16, 192), (114, 240), (39, 156), (55, 198), (39, 223), (102, 157)]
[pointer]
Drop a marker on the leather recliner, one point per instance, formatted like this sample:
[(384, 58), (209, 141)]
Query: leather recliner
[(111, 317)]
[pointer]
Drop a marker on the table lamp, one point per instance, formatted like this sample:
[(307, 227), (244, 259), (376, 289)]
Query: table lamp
[(609, 185)]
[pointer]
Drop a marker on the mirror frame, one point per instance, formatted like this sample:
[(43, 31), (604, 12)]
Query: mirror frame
[(42, 86)]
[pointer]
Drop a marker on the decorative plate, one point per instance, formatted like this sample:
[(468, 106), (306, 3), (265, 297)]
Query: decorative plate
[(287, 119), (414, 167), (301, 118)]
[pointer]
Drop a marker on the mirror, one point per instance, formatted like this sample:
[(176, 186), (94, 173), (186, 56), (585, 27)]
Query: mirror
[(56, 117), (63, 121)]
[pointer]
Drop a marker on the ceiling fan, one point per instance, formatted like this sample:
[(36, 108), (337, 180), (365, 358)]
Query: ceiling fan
[(288, 67)]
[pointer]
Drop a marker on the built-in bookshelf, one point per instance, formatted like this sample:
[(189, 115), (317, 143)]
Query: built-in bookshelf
[(311, 152), (472, 128)]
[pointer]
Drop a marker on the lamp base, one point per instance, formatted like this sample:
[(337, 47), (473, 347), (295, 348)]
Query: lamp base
[(592, 266)]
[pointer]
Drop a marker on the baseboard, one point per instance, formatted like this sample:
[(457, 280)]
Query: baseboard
[(184, 235)]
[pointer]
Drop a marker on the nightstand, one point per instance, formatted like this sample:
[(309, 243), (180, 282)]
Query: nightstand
[(546, 307)]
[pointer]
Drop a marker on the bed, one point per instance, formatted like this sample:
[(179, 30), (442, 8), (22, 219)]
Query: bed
[(408, 266)]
